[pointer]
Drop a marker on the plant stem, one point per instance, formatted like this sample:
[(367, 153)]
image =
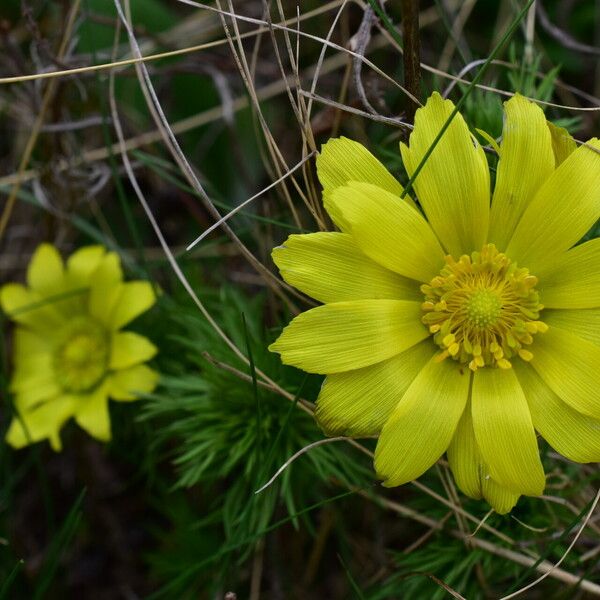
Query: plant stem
[(412, 61)]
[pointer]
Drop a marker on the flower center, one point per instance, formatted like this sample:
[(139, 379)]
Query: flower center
[(483, 309), (81, 355)]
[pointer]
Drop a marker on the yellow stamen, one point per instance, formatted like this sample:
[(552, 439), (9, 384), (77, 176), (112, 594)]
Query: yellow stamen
[(482, 309)]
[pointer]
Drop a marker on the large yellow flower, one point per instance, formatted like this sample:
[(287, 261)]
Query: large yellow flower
[(464, 325), (69, 353)]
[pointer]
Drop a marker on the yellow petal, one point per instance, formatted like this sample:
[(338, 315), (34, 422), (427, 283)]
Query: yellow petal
[(470, 472), (82, 263), (526, 148), (423, 423), (30, 308), (358, 403), (330, 267), (563, 210), (32, 387), (464, 457), (573, 278), (135, 298), (33, 379), (36, 371), (81, 267), (504, 431), (106, 288), (570, 366), (571, 433), (583, 323), (342, 160), (129, 349), (562, 143), (389, 231), (454, 184), (34, 391), (29, 345), (40, 423), (125, 385), (498, 497), (92, 414), (46, 271), (349, 335)]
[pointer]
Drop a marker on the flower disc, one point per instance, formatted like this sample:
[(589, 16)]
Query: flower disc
[(483, 309), (81, 356)]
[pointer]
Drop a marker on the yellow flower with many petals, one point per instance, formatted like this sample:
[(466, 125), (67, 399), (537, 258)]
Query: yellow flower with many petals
[(69, 353), (467, 323)]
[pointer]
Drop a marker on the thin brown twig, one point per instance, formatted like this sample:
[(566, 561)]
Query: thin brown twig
[(394, 121), (412, 53)]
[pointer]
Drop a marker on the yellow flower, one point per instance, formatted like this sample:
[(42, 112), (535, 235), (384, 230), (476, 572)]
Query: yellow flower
[(464, 325), (69, 353)]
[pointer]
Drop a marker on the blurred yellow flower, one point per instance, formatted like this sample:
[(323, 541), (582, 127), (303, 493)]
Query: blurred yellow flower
[(464, 325), (70, 356)]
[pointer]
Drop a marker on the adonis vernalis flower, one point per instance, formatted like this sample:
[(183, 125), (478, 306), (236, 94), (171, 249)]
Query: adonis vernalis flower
[(463, 325), (70, 356)]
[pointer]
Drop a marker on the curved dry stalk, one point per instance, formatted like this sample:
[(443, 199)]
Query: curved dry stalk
[(245, 203), (396, 122), (319, 65), (570, 507), (450, 489), (295, 103), (306, 405), (296, 455), (301, 110), (173, 145)]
